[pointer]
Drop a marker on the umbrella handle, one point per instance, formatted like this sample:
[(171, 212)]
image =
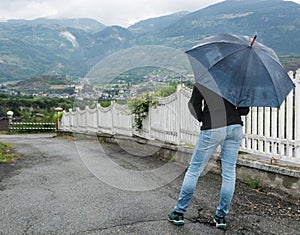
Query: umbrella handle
[(253, 40)]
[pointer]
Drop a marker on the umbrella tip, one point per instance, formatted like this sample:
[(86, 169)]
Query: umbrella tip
[(253, 39)]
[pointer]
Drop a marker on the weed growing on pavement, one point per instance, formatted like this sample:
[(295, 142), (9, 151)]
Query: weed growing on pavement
[(171, 159), (5, 152), (252, 182)]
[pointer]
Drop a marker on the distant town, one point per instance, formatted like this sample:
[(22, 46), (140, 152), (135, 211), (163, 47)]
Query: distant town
[(118, 89)]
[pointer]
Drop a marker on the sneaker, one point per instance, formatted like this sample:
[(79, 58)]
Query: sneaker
[(176, 218), (220, 222)]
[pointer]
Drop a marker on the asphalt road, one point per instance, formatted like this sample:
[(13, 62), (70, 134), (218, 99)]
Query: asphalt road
[(66, 186)]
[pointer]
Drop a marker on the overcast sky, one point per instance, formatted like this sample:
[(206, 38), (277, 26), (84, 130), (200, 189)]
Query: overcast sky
[(108, 12)]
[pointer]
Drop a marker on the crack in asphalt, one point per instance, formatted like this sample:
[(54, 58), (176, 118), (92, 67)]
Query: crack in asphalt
[(28, 226), (117, 226)]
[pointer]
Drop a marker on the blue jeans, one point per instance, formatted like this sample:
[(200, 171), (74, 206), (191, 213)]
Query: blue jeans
[(229, 138)]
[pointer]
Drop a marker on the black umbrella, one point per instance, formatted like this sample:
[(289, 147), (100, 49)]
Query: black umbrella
[(242, 71)]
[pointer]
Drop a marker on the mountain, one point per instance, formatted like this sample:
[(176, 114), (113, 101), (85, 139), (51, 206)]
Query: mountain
[(109, 40), (276, 23), (157, 23), (71, 47), (30, 50), (86, 24)]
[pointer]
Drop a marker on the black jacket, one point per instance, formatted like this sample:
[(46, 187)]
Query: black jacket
[(212, 110)]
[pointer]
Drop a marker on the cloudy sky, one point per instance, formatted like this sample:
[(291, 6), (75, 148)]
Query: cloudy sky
[(108, 12)]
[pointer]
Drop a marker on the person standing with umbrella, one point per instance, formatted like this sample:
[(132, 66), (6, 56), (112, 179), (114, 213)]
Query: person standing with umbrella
[(221, 126), (231, 76)]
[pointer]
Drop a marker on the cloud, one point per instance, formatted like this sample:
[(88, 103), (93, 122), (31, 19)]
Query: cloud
[(12, 9), (108, 12), (70, 37)]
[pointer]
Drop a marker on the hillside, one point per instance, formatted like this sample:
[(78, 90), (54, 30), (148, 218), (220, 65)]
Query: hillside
[(71, 47), (47, 84), (86, 24), (157, 23), (31, 50), (276, 22)]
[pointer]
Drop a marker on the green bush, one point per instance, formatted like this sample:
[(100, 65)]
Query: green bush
[(166, 91), (105, 104), (139, 107), (58, 115)]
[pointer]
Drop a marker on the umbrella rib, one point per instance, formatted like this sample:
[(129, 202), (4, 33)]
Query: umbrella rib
[(276, 61), (269, 75), (230, 54), (224, 57), (244, 78)]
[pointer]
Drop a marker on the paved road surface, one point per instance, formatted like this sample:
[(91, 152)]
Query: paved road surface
[(52, 191)]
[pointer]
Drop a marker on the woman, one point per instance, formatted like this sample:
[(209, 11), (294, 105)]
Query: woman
[(221, 126)]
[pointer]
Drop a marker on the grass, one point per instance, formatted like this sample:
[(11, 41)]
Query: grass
[(252, 183), (171, 159), (5, 153)]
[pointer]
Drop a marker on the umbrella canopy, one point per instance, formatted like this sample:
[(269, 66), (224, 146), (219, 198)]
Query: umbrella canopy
[(244, 72)]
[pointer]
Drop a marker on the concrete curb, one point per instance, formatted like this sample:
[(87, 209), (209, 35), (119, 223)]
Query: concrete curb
[(276, 174)]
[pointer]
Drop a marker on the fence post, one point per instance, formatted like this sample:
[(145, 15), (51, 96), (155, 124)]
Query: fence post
[(57, 110), (112, 116), (97, 116), (179, 87), (10, 117), (149, 123), (297, 114), (289, 123), (71, 119)]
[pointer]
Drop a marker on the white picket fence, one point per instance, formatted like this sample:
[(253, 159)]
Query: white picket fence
[(269, 132)]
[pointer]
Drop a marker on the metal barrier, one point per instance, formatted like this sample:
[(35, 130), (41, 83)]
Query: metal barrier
[(32, 126)]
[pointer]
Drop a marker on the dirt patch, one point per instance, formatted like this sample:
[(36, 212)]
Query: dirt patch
[(6, 170), (254, 211), (9, 169)]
